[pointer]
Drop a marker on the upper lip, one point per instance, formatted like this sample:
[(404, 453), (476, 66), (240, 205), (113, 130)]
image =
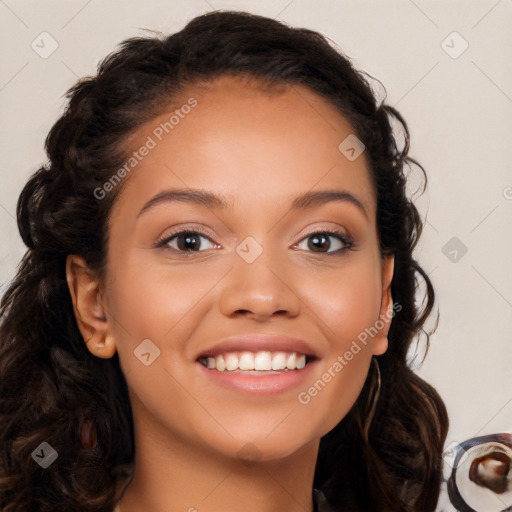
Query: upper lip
[(257, 343)]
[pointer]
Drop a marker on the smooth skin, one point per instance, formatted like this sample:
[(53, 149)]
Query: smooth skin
[(259, 150)]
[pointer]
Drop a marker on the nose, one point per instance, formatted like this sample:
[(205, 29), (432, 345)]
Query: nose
[(260, 290)]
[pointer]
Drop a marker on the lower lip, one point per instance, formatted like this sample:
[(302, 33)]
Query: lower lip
[(272, 384)]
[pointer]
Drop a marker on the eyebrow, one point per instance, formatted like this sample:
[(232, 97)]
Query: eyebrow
[(219, 202)]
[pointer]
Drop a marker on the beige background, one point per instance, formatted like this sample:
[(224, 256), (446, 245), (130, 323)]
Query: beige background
[(458, 106)]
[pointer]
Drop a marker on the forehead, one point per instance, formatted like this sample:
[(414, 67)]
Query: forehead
[(246, 140)]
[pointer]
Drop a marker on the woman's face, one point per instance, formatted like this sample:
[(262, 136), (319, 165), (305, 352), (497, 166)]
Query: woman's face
[(257, 267)]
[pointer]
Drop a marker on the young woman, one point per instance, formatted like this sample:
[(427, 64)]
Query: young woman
[(218, 297)]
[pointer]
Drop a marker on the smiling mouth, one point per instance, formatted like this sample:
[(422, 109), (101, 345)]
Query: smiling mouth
[(258, 363)]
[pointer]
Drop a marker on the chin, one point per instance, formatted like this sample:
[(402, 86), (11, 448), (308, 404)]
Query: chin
[(264, 447)]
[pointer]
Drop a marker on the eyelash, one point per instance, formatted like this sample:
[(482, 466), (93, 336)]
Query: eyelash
[(346, 240)]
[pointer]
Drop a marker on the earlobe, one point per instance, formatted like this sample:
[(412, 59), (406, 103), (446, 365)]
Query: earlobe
[(380, 342), (88, 307)]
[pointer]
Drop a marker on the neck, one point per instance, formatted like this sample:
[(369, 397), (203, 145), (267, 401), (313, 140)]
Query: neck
[(170, 474)]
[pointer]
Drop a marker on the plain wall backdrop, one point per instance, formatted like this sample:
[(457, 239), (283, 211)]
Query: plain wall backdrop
[(446, 68)]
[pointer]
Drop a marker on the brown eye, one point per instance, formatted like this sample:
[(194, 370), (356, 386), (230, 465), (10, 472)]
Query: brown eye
[(320, 240), (187, 241)]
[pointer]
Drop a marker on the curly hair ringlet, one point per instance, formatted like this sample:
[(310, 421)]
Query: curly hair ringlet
[(52, 389)]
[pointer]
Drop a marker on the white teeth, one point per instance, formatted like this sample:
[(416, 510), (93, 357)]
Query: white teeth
[(231, 362), (258, 361), (263, 361), (219, 363), (246, 361), (291, 362), (279, 361)]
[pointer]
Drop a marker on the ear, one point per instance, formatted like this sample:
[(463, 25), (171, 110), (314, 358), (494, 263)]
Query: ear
[(380, 342), (88, 307)]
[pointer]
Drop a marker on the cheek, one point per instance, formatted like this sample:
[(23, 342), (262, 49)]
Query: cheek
[(151, 301), (348, 306), (143, 307), (164, 303), (149, 298), (347, 301)]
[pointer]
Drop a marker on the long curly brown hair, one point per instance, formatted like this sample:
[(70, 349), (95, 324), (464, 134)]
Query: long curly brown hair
[(54, 390)]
